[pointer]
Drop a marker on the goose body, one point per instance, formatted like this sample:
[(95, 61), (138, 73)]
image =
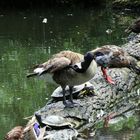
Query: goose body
[(60, 66), (71, 77), (112, 56)]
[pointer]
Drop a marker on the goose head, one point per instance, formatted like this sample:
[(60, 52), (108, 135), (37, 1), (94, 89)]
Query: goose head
[(88, 57), (81, 67), (102, 59)]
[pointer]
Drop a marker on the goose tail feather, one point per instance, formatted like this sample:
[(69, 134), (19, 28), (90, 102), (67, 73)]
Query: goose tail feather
[(37, 71), (31, 75)]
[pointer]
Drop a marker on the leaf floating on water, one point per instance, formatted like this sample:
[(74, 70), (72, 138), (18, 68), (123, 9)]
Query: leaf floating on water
[(109, 31), (44, 20), (78, 33), (18, 98), (70, 14), (1, 15), (51, 32)]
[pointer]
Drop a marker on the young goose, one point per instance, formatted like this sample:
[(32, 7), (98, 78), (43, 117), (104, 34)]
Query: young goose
[(63, 72), (134, 27), (111, 56)]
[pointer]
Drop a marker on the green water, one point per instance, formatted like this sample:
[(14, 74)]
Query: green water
[(26, 41)]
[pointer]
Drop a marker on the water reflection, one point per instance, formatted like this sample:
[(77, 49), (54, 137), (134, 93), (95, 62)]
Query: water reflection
[(26, 41), (108, 135)]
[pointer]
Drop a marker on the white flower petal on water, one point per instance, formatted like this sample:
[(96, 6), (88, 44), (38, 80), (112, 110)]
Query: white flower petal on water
[(109, 31), (44, 20)]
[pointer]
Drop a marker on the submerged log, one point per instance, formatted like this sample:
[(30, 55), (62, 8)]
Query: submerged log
[(107, 99)]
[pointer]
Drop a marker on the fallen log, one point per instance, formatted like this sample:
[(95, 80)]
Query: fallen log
[(107, 99)]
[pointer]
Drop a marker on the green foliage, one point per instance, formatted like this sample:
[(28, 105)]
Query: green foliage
[(126, 127), (126, 3), (126, 124), (123, 124), (25, 4), (99, 125), (136, 136)]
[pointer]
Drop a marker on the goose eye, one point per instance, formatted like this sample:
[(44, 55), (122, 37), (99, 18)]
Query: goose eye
[(75, 66)]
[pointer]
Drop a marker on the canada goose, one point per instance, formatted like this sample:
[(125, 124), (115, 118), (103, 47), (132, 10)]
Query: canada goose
[(61, 66), (112, 56), (134, 27)]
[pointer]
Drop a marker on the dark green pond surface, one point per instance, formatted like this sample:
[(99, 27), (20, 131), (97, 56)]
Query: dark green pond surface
[(26, 41)]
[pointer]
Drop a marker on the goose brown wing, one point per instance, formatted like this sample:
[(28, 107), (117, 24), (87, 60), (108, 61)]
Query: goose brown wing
[(56, 64), (74, 57), (109, 50)]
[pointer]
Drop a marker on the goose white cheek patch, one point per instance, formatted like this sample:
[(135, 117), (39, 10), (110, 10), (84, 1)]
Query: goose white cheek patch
[(79, 65)]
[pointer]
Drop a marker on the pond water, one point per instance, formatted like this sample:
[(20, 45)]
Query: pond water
[(25, 41)]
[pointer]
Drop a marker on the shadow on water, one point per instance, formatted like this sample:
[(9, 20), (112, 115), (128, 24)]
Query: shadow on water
[(25, 41)]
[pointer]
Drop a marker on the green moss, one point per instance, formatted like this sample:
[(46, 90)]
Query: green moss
[(136, 136), (129, 123), (99, 125), (126, 3), (118, 126)]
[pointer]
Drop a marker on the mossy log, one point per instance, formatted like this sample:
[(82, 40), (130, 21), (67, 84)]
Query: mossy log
[(126, 3), (108, 99)]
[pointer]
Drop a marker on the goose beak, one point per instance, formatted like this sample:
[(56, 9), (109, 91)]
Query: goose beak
[(108, 78)]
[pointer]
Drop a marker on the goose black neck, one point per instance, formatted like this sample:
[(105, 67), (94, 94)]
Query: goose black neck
[(38, 118), (84, 66)]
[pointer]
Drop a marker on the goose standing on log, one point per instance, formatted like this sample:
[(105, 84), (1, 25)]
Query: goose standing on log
[(63, 68), (112, 56)]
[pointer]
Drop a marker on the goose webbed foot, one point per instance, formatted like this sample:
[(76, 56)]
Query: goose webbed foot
[(109, 80), (70, 104)]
